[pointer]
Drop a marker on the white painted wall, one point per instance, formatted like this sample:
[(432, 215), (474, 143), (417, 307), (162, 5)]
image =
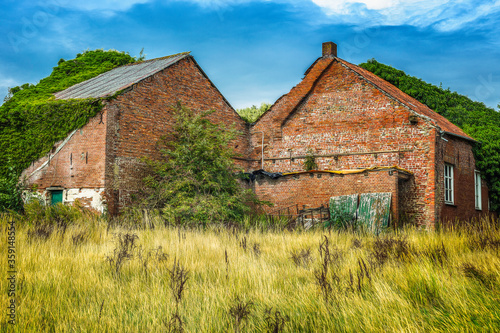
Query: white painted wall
[(96, 196)]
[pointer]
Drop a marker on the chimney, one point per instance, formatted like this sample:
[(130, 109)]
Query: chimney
[(329, 49)]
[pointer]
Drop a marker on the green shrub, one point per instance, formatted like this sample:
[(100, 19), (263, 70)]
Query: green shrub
[(196, 181)]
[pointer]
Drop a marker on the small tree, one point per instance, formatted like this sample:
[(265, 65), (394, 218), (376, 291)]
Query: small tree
[(196, 180)]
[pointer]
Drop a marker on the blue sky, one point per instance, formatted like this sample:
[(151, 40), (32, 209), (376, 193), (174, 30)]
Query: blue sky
[(256, 50)]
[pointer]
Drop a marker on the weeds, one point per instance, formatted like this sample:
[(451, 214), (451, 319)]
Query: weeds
[(275, 320), (437, 254), (356, 243), (178, 278), (243, 243), (124, 251), (301, 258), (175, 324), (473, 272), (323, 279), (156, 255), (40, 232), (100, 313), (256, 249), (240, 311), (226, 258), (453, 286), (79, 238), (384, 249), (362, 273)]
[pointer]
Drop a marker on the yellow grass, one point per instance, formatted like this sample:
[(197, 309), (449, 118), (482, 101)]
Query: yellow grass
[(64, 287)]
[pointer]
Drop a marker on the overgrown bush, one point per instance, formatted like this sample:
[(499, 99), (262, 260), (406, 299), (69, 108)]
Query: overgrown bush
[(196, 181)]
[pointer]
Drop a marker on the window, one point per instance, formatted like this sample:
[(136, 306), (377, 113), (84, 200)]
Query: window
[(448, 184), (477, 187)]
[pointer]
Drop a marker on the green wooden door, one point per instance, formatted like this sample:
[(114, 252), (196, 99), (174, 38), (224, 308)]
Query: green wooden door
[(374, 211), (56, 197), (343, 209)]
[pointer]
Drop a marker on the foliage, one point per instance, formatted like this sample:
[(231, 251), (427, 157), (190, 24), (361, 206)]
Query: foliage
[(196, 179), (10, 191), (32, 120), (310, 161), (476, 119), (251, 114), (371, 279)]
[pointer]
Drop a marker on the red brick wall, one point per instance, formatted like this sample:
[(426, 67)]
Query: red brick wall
[(458, 152), (139, 117), (344, 115), (80, 162), (313, 189)]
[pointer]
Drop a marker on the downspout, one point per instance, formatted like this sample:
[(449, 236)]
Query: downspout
[(262, 149)]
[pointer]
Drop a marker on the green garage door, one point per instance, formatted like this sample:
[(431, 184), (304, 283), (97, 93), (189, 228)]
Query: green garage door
[(56, 197)]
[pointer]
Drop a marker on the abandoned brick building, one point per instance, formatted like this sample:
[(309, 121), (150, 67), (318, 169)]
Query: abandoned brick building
[(100, 164), (365, 135)]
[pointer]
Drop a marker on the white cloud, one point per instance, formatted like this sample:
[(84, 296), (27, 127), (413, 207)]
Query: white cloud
[(444, 15)]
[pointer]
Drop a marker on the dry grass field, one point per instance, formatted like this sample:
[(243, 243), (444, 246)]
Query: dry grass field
[(88, 276)]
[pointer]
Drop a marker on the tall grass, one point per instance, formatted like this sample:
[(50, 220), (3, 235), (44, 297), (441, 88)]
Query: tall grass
[(250, 280)]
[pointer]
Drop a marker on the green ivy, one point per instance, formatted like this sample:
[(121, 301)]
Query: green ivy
[(32, 120)]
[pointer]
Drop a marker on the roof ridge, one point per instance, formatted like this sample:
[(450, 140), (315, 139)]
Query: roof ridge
[(289, 98), (156, 59)]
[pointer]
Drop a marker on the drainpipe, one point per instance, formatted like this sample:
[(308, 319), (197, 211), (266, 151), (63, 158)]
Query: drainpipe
[(262, 150)]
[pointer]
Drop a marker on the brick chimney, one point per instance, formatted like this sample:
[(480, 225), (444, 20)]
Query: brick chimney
[(329, 49)]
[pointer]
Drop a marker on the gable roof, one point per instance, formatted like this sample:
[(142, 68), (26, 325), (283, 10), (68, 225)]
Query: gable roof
[(407, 100), (118, 78), (288, 103)]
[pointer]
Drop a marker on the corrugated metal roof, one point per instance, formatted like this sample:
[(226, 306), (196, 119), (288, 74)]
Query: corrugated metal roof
[(118, 78)]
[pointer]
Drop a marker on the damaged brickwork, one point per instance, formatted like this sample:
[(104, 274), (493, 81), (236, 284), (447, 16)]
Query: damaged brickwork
[(340, 114), (348, 119)]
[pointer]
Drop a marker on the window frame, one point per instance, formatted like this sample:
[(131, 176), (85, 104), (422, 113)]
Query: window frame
[(449, 186), (477, 190)]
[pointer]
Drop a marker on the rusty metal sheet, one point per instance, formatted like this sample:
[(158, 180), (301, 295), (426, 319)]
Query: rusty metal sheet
[(343, 208), (374, 211)]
